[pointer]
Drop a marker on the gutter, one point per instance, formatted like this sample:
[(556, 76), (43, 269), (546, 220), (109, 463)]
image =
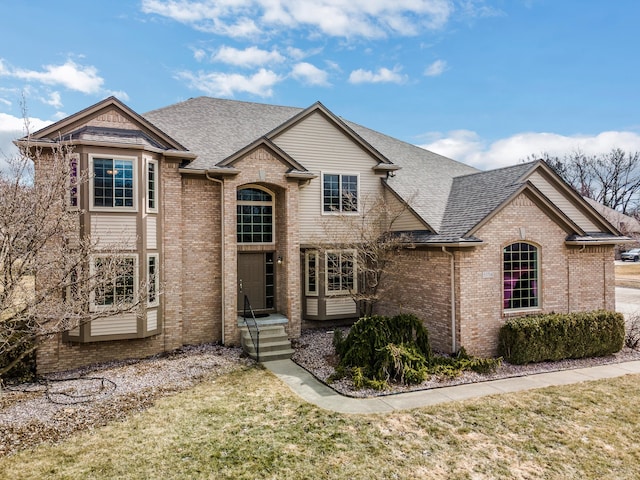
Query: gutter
[(454, 346), (222, 253)]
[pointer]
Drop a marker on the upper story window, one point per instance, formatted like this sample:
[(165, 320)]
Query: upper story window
[(521, 275), (254, 216), (339, 193), (113, 183), (74, 160), (152, 186)]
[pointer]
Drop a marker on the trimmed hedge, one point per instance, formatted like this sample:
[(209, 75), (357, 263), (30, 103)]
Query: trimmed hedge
[(540, 338)]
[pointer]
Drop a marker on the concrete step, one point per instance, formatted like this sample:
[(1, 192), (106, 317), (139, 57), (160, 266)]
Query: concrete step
[(274, 343)]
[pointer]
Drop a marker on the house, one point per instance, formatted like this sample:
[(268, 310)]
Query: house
[(223, 199)]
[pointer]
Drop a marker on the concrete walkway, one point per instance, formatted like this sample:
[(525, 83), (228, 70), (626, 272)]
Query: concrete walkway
[(313, 391)]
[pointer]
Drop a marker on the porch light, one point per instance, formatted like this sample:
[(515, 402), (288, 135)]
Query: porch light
[(279, 260)]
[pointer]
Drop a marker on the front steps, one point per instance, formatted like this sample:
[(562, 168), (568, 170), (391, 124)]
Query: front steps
[(274, 343)]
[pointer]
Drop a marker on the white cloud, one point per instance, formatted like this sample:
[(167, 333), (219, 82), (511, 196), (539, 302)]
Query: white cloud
[(310, 74), (436, 69), (199, 54), (249, 57), (467, 146), (340, 18), (76, 77), (227, 84), (54, 100), (383, 75), (12, 128)]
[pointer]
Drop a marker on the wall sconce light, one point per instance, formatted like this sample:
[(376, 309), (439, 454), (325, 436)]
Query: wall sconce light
[(279, 260)]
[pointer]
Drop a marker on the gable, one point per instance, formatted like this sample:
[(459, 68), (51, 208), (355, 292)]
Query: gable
[(319, 144), (564, 202), (109, 121)]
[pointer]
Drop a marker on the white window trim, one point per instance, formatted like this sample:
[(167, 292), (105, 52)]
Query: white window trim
[(342, 292), (134, 161), (272, 203), (509, 311), (307, 256), (341, 174), (156, 280), (149, 161), (136, 279)]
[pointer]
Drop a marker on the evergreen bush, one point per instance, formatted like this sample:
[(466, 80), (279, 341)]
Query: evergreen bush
[(554, 337), (379, 350)]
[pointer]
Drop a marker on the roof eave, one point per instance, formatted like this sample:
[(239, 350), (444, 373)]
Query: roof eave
[(586, 241)]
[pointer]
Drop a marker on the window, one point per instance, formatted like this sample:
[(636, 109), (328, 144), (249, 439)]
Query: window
[(153, 278), (115, 281), (339, 193), (152, 186), (521, 274), (311, 277), (254, 216), (74, 159), (113, 183), (340, 271)]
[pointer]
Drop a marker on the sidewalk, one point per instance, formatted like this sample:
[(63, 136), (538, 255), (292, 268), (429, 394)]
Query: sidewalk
[(314, 391)]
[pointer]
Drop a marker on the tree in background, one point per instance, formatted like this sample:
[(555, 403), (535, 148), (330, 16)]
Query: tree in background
[(612, 179), (52, 278)]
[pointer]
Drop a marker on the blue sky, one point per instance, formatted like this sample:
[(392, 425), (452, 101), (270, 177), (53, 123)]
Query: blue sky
[(485, 82)]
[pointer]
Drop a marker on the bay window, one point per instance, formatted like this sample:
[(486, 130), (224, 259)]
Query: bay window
[(113, 183)]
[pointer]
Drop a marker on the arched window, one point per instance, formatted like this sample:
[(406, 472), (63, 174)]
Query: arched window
[(254, 216), (521, 275)]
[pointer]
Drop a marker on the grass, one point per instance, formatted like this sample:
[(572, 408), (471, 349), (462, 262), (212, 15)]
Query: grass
[(628, 275), (248, 425)]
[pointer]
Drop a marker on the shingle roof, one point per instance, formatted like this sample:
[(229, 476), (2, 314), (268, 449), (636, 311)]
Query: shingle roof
[(425, 178), (451, 197), (474, 197), (215, 128)]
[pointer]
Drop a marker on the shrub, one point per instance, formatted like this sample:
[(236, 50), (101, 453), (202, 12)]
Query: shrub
[(25, 369), (385, 348), (553, 337), (632, 340), (455, 365)]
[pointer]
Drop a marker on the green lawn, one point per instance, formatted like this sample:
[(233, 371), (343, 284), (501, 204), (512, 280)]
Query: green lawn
[(248, 425)]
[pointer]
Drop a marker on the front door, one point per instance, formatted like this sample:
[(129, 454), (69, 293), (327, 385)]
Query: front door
[(256, 280)]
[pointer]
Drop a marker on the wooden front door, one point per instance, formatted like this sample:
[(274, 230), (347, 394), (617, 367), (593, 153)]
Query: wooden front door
[(256, 280)]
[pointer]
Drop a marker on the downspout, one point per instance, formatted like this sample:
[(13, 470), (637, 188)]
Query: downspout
[(454, 346), (222, 256)]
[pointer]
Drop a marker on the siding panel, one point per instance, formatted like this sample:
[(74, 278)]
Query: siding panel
[(340, 306), (562, 202), (312, 306), (114, 230), (321, 147), (152, 320), (152, 235), (116, 325)]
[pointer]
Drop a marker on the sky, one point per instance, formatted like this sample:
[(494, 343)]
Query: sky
[(486, 82)]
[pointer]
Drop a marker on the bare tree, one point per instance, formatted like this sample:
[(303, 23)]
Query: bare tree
[(374, 245), (613, 179), (53, 278)]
